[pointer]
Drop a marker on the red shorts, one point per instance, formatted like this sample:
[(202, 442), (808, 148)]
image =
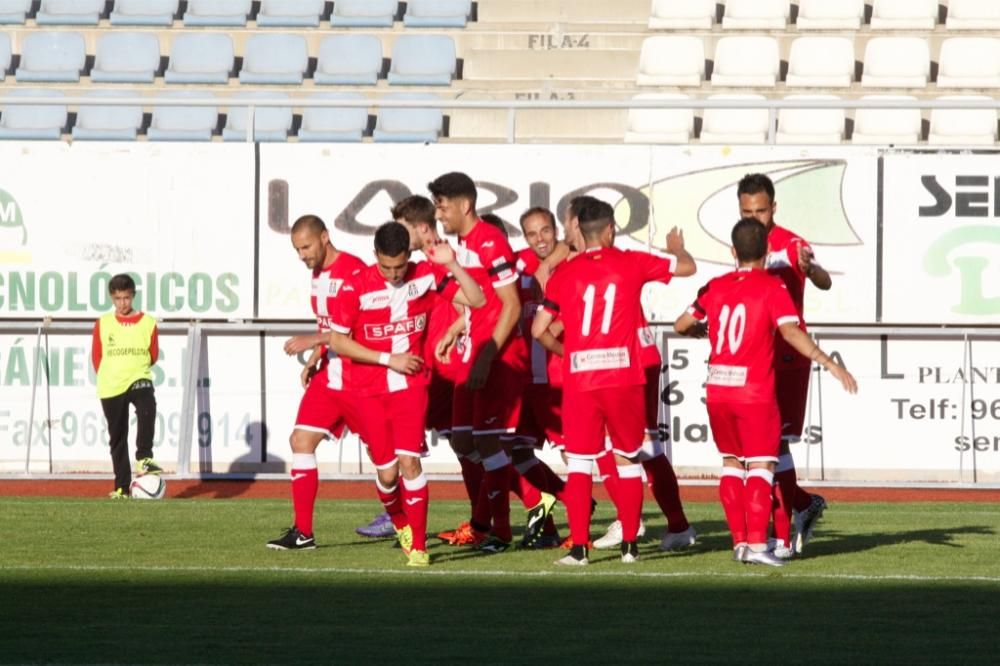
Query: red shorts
[(792, 388), (394, 424), (493, 410), (747, 431), (440, 396), (325, 410), (652, 399), (617, 411), (541, 416)]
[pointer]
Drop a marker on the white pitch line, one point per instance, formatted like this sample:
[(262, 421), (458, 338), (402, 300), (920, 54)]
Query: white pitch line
[(499, 573)]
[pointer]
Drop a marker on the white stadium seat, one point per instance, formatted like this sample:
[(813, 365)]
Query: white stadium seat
[(660, 125), (51, 57), (423, 60), (904, 14), (5, 55), (33, 122), (830, 14), (331, 124), (756, 15), (404, 125), (896, 62), (734, 126), (14, 12), (810, 126), (437, 13), (274, 59), (230, 13), (289, 13), (144, 12), (682, 15), (183, 123), (821, 62), (108, 123), (973, 15), (126, 57), (889, 126), (746, 61), (964, 127), (671, 61), (69, 12), (363, 13), (969, 62), (270, 123), (200, 57), (349, 60)]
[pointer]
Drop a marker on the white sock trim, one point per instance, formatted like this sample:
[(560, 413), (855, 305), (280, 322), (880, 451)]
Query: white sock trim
[(733, 472), (383, 489), (303, 461), (761, 473), (496, 461), (630, 471), (580, 466), (785, 463), (523, 467), (413, 485)]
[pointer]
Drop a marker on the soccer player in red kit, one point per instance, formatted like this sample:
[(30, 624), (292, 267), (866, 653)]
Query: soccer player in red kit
[(380, 323), (595, 296), (488, 395), (790, 258), (742, 311), (325, 407)]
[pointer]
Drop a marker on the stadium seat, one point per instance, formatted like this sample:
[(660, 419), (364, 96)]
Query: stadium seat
[(973, 15), (404, 125), (904, 14), (200, 58), (682, 15), (810, 126), (887, 126), (290, 13), (145, 12), (52, 57), (349, 60), (183, 123), (659, 125), (228, 13), (274, 59), (830, 14), (735, 125), (896, 62), (969, 62), (69, 12), (756, 15), (423, 60), (363, 13), (965, 127), (270, 123), (821, 62), (14, 12), (126, 57), (746, 61), (331, 124), (32, 122), (108, 123), (5, 55), (437, 13), (671, 60)]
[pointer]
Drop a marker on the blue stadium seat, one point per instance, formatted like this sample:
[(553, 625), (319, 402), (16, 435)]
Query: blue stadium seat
[(52, 57), (277, 59), (270, 123), (33, 122), (144, 12), (70, 12), (334, 124), (404, 125), (14, 12), (200, 58), (183, 123), (5, 55), (290, 13), (349, 60), (230, 13), (126, 57), (108, 123), (423, 60), (363, 13), (437, 13)]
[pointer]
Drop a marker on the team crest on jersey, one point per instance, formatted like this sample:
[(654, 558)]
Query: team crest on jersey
[(646, 338), (407, 326)]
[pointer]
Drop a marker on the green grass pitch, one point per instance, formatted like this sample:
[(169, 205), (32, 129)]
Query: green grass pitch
[(189, 581)]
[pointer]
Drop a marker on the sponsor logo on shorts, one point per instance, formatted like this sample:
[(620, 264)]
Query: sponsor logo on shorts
[(611, 358), (727, 375), (406, 326)]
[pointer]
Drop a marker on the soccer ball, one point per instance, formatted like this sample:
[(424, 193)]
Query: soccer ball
[(148, 487)]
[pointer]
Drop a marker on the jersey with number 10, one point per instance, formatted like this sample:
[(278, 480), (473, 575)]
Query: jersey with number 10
[(743, 311), (596, 294)]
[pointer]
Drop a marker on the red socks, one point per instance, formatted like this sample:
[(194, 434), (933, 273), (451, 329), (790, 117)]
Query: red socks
[(496, 485), (663, 484), (609, 474), (731, 495), (757, 499), (579, 491), (472, 475), (415, 497), (629, 500), (305, 486), (392, 500)]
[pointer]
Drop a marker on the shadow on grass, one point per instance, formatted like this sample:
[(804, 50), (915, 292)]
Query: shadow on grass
[(833, 542), (215, 489)]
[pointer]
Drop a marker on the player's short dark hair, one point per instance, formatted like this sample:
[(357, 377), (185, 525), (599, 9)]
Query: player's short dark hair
[(121, 282), (577, 203), (311, 222), (594, 216), (538, 210), (392, 239), (454, 185), (414, 209), (495, 221), (749, 239), (755, 183)]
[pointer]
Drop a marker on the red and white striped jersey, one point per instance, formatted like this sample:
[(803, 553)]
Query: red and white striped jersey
[(783, 261), (326, 286)]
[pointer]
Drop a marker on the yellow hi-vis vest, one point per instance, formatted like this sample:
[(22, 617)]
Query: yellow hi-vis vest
[(124, 354)]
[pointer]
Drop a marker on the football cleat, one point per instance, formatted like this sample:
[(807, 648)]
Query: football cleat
[(779, 549), (405, 538), (613, 536), (678, 540), (494, 545), (806, 521), (293, 539), (547, 541), (577, 557), (630, 552), (149, 466), (761, 557), (118, 494), (537, 516), (418, 558), (448, 536), (568, 543), (379, 528), (469, 537), (739, 551)]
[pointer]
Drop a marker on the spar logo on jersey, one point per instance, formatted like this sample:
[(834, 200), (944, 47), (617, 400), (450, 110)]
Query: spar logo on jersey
[(407, 326), (325, 323)]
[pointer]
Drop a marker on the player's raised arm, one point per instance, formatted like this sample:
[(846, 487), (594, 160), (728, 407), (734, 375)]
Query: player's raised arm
[(686, 266), (442, 254), (816, 273), (803, 344)]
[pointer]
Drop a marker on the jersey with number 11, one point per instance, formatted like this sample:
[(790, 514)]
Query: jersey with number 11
[(596, 294)]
